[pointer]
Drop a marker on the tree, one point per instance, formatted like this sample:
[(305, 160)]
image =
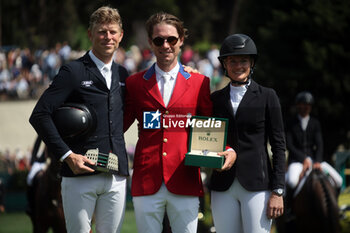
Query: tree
[(37, 23), (303, 45)]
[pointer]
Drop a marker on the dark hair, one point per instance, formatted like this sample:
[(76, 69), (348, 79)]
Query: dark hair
[(304, 97), (162, 17)]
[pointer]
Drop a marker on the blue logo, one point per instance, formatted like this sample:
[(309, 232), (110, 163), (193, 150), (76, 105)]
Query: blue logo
[(151, 120)]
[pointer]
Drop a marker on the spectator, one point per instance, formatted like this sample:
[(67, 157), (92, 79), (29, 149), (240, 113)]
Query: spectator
[(186, 55), (305, 143), (213, 55), (2, 196), (64, 52)]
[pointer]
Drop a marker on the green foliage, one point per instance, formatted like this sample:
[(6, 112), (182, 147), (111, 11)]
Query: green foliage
[(302, 45), (80, 38), (202, 47)]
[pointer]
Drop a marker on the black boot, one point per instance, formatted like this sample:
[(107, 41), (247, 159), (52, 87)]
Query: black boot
[(289, 215)]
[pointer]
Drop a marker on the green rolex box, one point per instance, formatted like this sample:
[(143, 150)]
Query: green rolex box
[(207, 138)]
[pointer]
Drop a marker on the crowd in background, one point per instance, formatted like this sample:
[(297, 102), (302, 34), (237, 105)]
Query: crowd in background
[(25, 74), (12, 161)]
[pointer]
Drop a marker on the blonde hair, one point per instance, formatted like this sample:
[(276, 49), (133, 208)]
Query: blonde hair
[(105, 14)]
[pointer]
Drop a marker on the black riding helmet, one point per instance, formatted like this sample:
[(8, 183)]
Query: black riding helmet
[(238, 44), (74, 121), (304, 97)]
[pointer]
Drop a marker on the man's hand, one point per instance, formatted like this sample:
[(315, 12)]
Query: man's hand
[(306, 165), (317, 166), (274, 206), (78, 163), (230, 159), (189, 69)]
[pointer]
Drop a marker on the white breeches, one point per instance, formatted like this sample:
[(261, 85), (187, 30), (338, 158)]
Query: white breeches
[(182, 212), (103, 194), (240, 211), (294, 170), (36, 167)]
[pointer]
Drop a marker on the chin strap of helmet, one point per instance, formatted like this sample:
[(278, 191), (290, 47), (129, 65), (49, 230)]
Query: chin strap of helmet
[(239, 82)]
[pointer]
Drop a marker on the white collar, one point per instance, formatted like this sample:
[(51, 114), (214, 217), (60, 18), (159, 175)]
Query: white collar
[(303, 118), (173, 72), (238, 89), (100, 64)]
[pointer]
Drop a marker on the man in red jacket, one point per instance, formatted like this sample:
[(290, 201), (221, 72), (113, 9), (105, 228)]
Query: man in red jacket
[(162, 98)]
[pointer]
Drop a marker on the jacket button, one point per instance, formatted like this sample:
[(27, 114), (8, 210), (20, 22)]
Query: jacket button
[(165, 140), (164, 153), (166, 112)]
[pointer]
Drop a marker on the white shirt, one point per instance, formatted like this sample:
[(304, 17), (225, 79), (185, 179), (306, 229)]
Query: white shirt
[(100, 65), (236, 95), (160, 80), (304, 121)]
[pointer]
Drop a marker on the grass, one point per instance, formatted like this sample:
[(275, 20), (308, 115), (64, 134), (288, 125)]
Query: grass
[(19, 222), (344, 200)]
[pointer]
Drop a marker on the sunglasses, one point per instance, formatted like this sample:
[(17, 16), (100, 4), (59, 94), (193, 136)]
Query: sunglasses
[(159, 41)]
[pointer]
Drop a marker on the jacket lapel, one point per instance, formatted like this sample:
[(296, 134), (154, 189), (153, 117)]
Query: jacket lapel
[(91, 67), (115, 77), (248, 96), (181, 86), (227, 99), (151, 85)]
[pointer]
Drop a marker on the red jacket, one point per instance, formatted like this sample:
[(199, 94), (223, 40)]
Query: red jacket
[(160, 152)]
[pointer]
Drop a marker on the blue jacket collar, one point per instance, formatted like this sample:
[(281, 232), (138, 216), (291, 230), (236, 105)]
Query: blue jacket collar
[(151, 71)]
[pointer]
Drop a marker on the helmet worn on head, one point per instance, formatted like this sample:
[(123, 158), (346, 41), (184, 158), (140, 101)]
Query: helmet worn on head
[(304, 97), (238, 44), (74, 121)]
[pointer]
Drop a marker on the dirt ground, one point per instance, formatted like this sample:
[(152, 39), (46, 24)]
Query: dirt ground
[(17, 133), (15, 130)]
